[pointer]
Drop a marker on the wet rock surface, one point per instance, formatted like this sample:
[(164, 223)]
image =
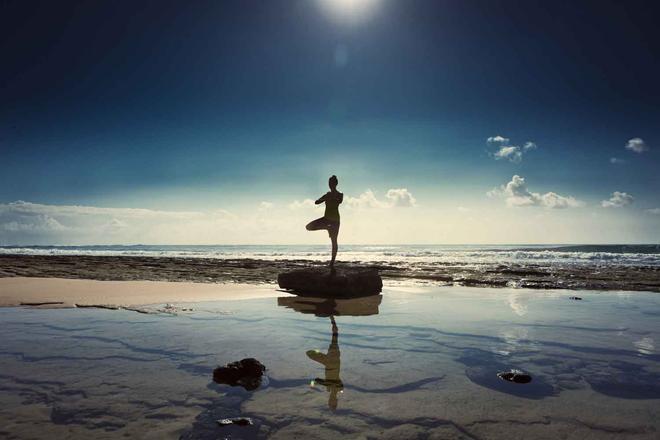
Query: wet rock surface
[(345, 282), (246, 373), (515, 376), (593, 276)]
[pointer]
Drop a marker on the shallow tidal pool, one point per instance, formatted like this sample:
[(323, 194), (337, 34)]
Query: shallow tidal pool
[(410, 363)]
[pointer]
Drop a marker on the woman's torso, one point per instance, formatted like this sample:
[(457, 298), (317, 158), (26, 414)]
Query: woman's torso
[(332, 202)]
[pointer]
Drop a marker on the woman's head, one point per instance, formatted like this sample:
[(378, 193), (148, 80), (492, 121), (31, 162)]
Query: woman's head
[(333, 182)]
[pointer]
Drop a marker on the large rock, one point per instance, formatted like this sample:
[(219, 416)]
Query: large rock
[(346, 282)]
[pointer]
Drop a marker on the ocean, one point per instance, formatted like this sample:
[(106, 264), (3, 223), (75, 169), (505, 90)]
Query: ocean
[(643, 255)]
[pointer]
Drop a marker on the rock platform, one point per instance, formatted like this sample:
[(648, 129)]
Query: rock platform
[(346, 282)]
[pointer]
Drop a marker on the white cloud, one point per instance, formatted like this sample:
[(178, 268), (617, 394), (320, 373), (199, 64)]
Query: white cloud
[(114, 226), (637, 145), (654, 211), (365, 200), (401, 198), (396, 198), (615, 160), (222, 214), (265, 206), (507, 151), (617, 200), (498, 140), (306, 203), (516, 194)]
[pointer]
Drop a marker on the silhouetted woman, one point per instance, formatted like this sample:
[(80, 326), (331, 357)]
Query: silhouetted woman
[(330, 221)]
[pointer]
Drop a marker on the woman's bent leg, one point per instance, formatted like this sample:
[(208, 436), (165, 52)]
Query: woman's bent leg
[(317, 225)]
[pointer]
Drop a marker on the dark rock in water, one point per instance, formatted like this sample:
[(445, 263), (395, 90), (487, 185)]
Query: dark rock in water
[(240, 421), (576, 298), (516, 376), (346, 282), (246, 373)]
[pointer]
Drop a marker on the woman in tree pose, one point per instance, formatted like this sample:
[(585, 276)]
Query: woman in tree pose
[(330, 220)]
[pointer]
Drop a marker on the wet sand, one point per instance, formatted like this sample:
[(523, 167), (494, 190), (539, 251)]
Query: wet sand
[(56, 292), (416, 363), (254, 271)]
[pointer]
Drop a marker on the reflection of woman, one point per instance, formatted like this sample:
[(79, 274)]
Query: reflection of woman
[(332, 363), (330, 220)]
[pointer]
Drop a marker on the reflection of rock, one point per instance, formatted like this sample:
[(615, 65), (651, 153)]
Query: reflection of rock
[(246, 373), (515, 376), (625, 380), (347, 282), (240, 421), (332, 307)]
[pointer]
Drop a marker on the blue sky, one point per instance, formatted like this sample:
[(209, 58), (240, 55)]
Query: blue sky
[(244, 107)]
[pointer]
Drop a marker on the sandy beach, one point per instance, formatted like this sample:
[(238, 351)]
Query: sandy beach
[(56, 292)]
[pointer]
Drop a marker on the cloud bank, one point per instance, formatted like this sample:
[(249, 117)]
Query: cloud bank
[(27, 208), (394, 198), (516, 194), (35, 223)]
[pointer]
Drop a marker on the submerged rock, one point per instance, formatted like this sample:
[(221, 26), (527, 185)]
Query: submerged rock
[(240, 421), (516, 376), (346, 282), (246, 373)]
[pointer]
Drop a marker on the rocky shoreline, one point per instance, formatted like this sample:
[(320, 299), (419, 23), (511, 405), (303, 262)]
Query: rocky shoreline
[(256, 271)]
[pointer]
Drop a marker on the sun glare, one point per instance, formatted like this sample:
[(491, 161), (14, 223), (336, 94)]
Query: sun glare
[(349, 11)]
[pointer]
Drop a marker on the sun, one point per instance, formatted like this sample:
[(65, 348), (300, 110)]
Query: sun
[(349, 11)]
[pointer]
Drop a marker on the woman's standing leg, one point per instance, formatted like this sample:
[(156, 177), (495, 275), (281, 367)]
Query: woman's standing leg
[(333, 231)]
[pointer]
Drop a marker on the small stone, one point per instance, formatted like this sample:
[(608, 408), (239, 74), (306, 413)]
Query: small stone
[(239, 421), (246, 373), (515, 376)]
